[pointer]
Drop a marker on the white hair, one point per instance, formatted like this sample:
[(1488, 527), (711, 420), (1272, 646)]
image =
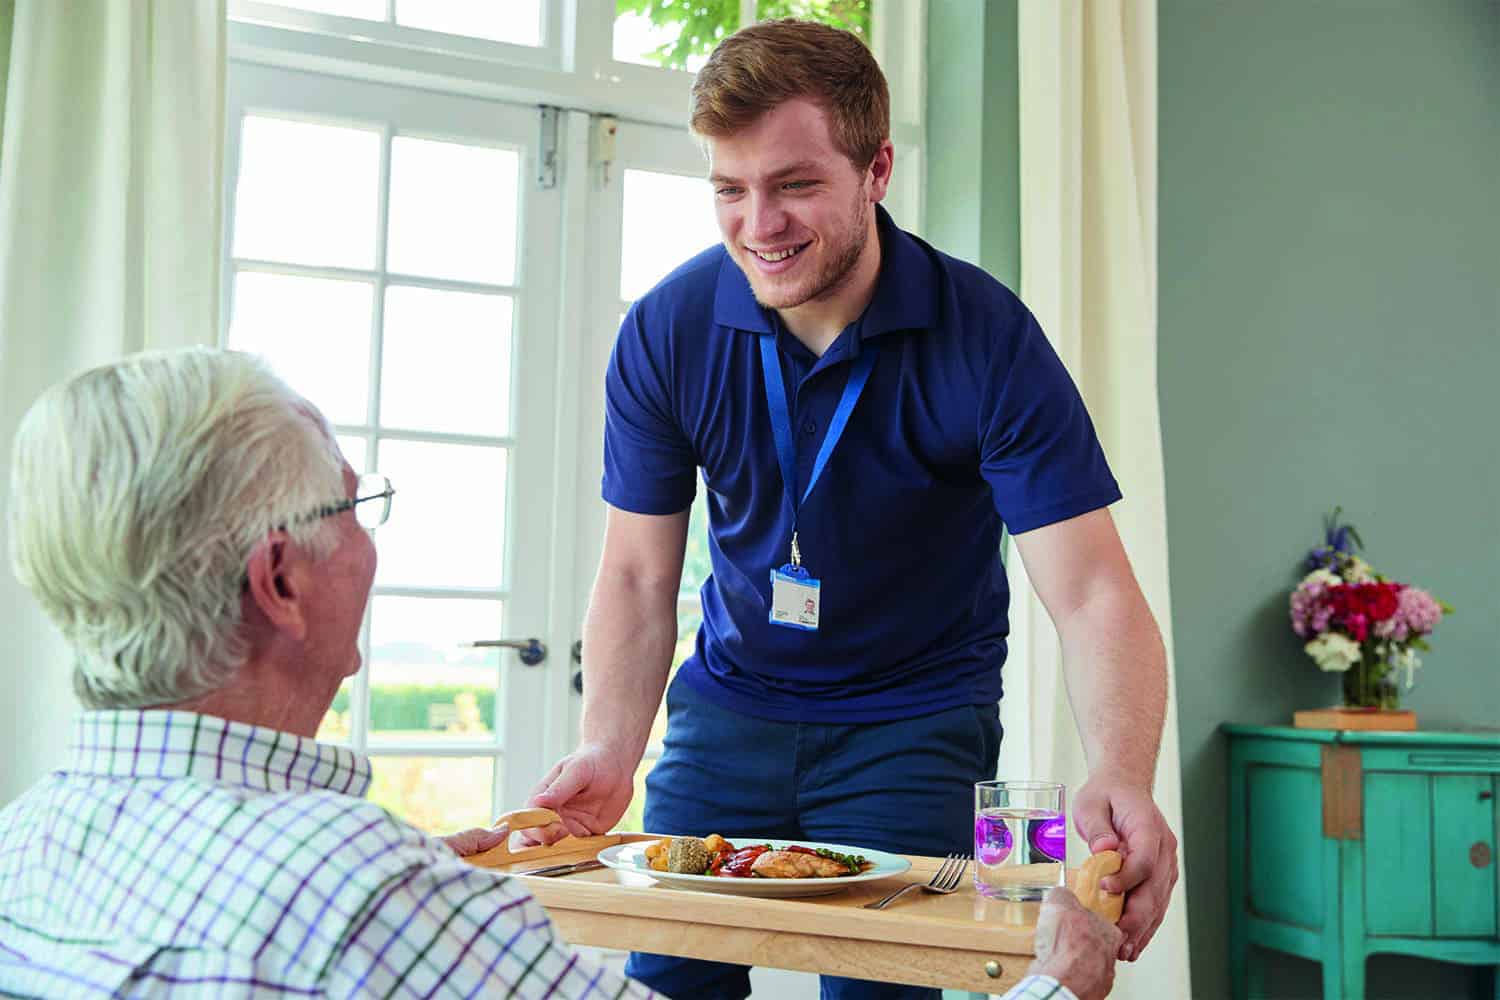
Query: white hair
[(138, 491)]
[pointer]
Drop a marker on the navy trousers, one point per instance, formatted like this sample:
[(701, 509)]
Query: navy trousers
[(906, 787)]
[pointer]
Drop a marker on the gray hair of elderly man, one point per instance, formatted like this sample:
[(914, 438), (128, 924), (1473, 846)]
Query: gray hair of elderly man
[(139, 489)]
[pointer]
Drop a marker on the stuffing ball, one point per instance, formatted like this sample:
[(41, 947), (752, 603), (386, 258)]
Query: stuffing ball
[(688, 856)]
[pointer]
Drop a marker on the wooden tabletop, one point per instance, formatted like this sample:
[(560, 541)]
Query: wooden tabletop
[(958, 941)]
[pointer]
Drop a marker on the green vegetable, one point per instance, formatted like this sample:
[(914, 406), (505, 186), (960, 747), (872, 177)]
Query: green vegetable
[(854, 862)]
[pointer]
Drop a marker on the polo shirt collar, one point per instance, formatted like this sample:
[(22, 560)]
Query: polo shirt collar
[(905, 292)]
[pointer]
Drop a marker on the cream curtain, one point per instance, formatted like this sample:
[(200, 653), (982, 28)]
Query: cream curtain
[(110, 204), (1088, 270)]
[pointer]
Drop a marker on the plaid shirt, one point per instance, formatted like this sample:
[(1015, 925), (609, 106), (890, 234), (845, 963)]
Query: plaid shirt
[(184, 855), (1039, 988)]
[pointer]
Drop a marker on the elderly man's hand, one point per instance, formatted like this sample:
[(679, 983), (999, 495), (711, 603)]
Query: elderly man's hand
[(1075, 947), (475, 841)]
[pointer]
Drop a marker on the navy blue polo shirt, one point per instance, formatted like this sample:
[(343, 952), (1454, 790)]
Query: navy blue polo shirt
[(969, 421)]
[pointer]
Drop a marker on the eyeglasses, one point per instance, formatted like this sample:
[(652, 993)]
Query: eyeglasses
[(370, 486)]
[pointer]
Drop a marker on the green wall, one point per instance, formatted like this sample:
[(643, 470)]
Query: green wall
[(1329, 334), (973, 207), (1329, 238)]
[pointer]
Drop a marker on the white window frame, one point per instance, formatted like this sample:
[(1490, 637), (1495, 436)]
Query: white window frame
[(574, 68)]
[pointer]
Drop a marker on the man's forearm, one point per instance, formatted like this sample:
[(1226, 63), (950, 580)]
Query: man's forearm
[(1116, 670), (628, 637)]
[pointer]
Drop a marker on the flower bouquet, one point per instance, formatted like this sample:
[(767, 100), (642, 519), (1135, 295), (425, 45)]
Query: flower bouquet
[(1358, 623)]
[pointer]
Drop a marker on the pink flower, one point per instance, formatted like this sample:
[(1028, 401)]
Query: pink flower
[(1419, 610)]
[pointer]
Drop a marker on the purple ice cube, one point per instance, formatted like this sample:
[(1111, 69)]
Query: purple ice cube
[(1050, 837), (992, 839)]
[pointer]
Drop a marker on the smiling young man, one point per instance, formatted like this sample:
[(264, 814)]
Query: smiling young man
[(867, 414)]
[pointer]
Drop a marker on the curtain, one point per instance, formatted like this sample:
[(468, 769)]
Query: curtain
[(1088, 270), (110, 204)]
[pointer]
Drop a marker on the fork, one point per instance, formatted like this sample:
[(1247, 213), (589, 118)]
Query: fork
[(944, 880)]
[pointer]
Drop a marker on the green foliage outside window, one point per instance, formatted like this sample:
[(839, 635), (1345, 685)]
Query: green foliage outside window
[(702, 23), (409, 707)]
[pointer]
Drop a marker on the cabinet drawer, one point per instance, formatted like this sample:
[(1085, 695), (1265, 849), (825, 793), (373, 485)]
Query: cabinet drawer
[(1432, 760)]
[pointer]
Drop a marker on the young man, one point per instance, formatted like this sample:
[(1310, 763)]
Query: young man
[(867, 413)]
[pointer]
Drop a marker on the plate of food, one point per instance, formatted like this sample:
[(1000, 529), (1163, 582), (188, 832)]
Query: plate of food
[(753, 866)]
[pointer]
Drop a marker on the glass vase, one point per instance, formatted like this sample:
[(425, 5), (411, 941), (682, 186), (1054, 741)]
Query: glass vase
[(1371, 683)]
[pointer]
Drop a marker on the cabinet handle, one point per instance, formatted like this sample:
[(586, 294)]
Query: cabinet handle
[(1486, 795), (1479, 854)]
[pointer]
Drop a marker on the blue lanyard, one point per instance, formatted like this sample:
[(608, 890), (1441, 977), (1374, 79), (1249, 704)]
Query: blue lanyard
[(781, 423)]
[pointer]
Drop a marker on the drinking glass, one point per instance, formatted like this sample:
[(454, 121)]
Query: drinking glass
[(1020, 838)]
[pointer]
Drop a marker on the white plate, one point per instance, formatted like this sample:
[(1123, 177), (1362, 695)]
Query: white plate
[(632, 858)]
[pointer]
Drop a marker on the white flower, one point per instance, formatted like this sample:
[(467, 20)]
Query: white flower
[(1326, 577), (1356, 570), (1333, 652), (1407, 659)]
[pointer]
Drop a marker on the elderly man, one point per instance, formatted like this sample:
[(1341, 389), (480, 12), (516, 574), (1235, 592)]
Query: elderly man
[(188, 523)]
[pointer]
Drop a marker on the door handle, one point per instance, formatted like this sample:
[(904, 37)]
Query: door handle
[(531, 651)]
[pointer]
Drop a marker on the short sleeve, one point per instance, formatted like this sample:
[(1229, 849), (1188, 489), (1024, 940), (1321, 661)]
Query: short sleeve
[(448, 929), (649, 464), (1038, 449)]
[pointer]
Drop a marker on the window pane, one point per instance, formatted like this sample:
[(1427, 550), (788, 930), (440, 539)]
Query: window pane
[(356, 452), (453, 211), (307, 193), (314, 331), (516, 21), (851, 15), (447, 526), (673, 35), (370, 10), (695, 566), (437, 794), (424, 685), (688, 618), (668, 218), (338, 725), (421, 387)]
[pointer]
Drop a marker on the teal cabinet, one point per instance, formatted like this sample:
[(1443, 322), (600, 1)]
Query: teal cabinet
[(1344, 844)]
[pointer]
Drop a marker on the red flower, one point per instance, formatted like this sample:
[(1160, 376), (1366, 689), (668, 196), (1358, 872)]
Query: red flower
[(1357, 606)]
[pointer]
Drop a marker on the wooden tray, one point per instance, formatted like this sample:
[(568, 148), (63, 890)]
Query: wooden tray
[(958, 941)]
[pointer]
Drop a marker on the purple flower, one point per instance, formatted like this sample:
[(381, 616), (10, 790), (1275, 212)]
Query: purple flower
[(1310, 612)]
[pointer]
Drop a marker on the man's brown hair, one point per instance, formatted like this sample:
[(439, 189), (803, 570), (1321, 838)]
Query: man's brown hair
[(758, 68)]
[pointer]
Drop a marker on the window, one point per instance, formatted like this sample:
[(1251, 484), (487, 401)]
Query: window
[(398, 248), (373, 241)]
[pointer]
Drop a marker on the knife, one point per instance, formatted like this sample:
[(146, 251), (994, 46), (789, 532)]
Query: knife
[(552, 871)]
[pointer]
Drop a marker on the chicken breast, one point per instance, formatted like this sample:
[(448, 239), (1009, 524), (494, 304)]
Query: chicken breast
[(794, 864)]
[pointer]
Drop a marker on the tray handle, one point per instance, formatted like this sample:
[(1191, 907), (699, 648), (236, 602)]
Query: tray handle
[(501, 855)]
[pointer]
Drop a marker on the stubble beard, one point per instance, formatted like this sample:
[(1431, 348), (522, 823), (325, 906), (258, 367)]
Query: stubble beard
[(831, 276)]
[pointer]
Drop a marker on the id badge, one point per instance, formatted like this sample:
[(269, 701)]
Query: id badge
[(795, 598)]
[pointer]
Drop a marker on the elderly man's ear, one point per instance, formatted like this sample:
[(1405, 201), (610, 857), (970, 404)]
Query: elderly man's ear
[(276, 579)]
